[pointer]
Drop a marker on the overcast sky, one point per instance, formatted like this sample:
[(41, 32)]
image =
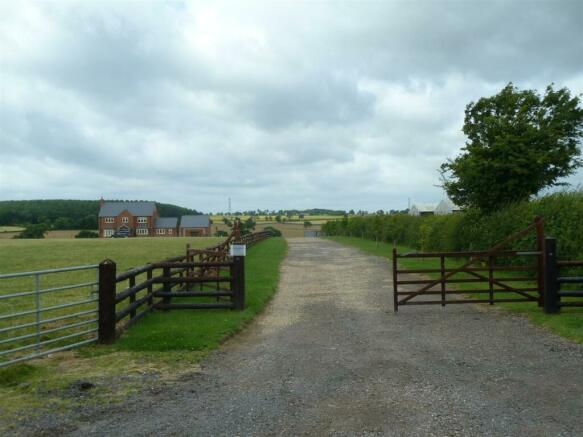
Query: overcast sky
[(274, 104)]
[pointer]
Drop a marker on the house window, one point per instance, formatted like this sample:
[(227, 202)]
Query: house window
[(108, 219), (142, 219), (125, 219), (169, 231), (107, 232), (160, 231), (141, 231)]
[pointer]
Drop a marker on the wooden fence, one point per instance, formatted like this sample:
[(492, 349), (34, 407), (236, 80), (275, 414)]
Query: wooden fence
[(219, 277), (556, 276)]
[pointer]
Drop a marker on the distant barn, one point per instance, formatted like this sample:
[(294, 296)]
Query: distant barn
[(446, 207), (423, 209)]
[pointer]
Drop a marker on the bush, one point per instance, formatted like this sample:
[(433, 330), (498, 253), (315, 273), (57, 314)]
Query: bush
[(87, 234), (275, 232), (34, 231)]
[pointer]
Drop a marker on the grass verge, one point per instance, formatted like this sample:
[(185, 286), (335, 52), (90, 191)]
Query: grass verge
[(567, 324), (156, 351)]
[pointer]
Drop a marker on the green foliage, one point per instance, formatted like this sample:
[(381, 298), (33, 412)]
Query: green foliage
[(307, 224), (472, 229), (221, 234), (518, 143), (34, 231), (87, 234)]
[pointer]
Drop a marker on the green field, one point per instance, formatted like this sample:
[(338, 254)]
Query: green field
[(11, 229), (165, 344), (568, 324)]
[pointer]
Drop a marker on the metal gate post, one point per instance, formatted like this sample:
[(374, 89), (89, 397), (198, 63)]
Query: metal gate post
[(107, 282), (551, 292)]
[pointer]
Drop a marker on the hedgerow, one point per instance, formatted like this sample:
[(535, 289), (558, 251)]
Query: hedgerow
[(475, 230)]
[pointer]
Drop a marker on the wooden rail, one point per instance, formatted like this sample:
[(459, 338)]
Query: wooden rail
[(215, 273)]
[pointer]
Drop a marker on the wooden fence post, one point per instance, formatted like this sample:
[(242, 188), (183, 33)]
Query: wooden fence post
[(238, 281), (107, 282), (166, 286), (551, 292)]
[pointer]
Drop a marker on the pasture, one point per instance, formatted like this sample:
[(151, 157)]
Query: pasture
[(288, 230), (162, 346)]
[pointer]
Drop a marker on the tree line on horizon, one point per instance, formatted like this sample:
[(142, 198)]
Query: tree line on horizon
[(63, 214)]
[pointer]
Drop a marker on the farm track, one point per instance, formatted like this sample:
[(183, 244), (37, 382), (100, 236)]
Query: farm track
[(329, 356)]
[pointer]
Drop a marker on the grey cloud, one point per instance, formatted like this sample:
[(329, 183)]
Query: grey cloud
[(341, 105)]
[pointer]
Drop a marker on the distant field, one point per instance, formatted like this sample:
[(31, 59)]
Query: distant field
[(288, 230), (10, 228), (26, 255), (50, 234), (262, 218)]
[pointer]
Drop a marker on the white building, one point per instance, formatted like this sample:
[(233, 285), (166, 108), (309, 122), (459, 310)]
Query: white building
[(445, 207), (422, 209)]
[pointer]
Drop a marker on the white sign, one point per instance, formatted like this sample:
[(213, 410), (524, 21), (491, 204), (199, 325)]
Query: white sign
[(238, 250)]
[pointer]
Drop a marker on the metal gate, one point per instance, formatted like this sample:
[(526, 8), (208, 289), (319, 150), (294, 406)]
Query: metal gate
[(47, 311)]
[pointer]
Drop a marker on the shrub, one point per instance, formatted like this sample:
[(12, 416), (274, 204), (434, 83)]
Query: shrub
[(87, 234)]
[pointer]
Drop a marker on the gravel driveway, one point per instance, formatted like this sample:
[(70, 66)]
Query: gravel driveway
[(329, 356)]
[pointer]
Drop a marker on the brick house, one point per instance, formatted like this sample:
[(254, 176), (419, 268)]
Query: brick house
[(141, 219), (166, 226), (195, 226), (132, 219)]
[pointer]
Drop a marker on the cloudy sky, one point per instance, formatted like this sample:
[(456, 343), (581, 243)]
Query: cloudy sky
[(275, 104)]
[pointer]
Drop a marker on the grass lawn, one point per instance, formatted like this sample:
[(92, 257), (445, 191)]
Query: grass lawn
[(182, 329), (568, 323), (159, 348)]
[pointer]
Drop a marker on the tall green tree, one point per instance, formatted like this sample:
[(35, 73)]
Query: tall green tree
[(518, 142)]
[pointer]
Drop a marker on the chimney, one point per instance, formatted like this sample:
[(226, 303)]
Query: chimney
[(101, 202)]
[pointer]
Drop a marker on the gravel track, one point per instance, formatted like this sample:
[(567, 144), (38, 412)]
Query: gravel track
[(329, 356)]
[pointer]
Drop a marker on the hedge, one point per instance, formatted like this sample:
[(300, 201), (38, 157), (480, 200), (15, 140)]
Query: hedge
[(474, 230)]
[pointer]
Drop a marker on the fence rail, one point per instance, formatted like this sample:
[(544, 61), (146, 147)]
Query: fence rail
[(29, 333), (212, 271)]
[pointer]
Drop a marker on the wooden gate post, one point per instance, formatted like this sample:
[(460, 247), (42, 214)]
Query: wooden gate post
[(551, 292), (106, 324), (166, 286), (238, 282), (540, 247)]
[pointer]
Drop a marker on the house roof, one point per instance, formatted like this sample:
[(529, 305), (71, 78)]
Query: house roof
[(195, 221), (112, 209), (166, 222)]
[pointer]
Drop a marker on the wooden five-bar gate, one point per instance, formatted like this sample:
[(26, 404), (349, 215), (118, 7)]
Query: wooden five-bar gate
[(496, 275)]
